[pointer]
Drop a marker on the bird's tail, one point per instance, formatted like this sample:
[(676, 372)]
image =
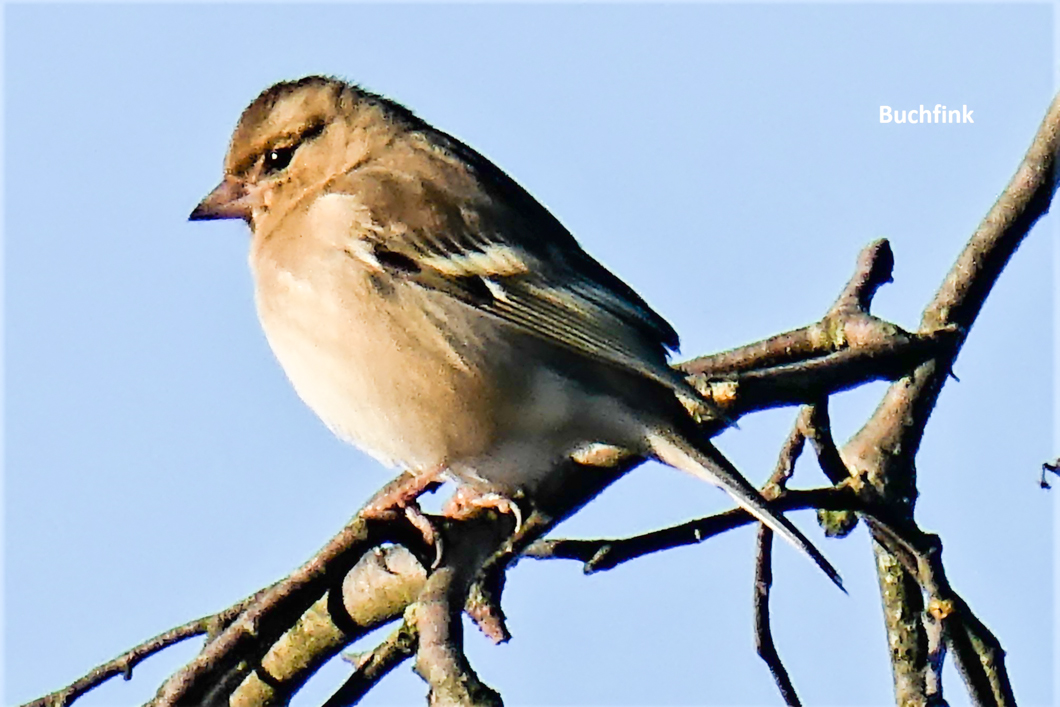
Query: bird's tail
[(700, 458)]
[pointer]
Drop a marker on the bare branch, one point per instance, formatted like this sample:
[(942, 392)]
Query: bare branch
[(440, 659), (904, 606), (767, 649), (846, 348), (377, 590), (483, 604), (789, 454), (936, 659), (604, 554), (818, 428), (874, 267), (262, 624), (885, 448), (763, 630), (897, 426), (977, 652), (123, 665), (375, 665)]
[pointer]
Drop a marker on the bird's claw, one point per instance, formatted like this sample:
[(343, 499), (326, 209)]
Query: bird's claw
[(398, 499), (467, 502)]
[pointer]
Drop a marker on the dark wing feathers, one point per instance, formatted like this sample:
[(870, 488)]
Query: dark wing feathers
[(558, 315), (550, 235)]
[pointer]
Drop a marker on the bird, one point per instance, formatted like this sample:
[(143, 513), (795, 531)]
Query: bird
[(433, 313)]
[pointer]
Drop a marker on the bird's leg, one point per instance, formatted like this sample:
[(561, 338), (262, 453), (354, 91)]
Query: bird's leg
[(399, 498), (403, 492), (468, 501)]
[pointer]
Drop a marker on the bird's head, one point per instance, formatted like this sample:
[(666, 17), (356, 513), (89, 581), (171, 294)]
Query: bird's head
[(294, 138)]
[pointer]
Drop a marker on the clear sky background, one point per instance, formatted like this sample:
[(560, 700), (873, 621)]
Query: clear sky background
[(726, 161)]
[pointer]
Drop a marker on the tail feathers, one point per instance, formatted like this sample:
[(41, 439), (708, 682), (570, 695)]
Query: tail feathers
[(702, 459)]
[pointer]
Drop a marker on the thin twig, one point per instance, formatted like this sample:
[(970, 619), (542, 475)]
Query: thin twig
[(604, 554), (818, 428), (763, 630), (790, 452), (764, 644), (977, 652), (123, 665), (846, 348), (936, 660), (375, 665)]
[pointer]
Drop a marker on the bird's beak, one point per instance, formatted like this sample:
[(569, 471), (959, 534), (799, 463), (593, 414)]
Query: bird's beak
[(229, 199)]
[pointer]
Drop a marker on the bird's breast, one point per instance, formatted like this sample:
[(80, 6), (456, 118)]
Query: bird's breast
[(411, 375), (384, 363)]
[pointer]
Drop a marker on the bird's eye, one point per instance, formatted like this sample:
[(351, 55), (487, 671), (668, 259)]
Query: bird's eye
[(278, 158)]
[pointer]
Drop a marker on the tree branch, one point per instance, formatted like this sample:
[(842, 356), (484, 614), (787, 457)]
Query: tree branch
[(436, 615), (978, 654), (764, 644), (376, 591), (884, 449), (375, 665), (123, 665), (763, 630), (266, 620), (874, 267), (604, 554)]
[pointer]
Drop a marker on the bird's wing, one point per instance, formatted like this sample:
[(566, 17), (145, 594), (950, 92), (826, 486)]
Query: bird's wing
[(498, 250)]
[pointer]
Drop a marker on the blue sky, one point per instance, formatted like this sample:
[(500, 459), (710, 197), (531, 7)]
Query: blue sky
[(725, 160)]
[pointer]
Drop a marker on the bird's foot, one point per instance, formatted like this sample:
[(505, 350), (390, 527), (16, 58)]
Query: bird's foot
[(399, 499), (468, 502)]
